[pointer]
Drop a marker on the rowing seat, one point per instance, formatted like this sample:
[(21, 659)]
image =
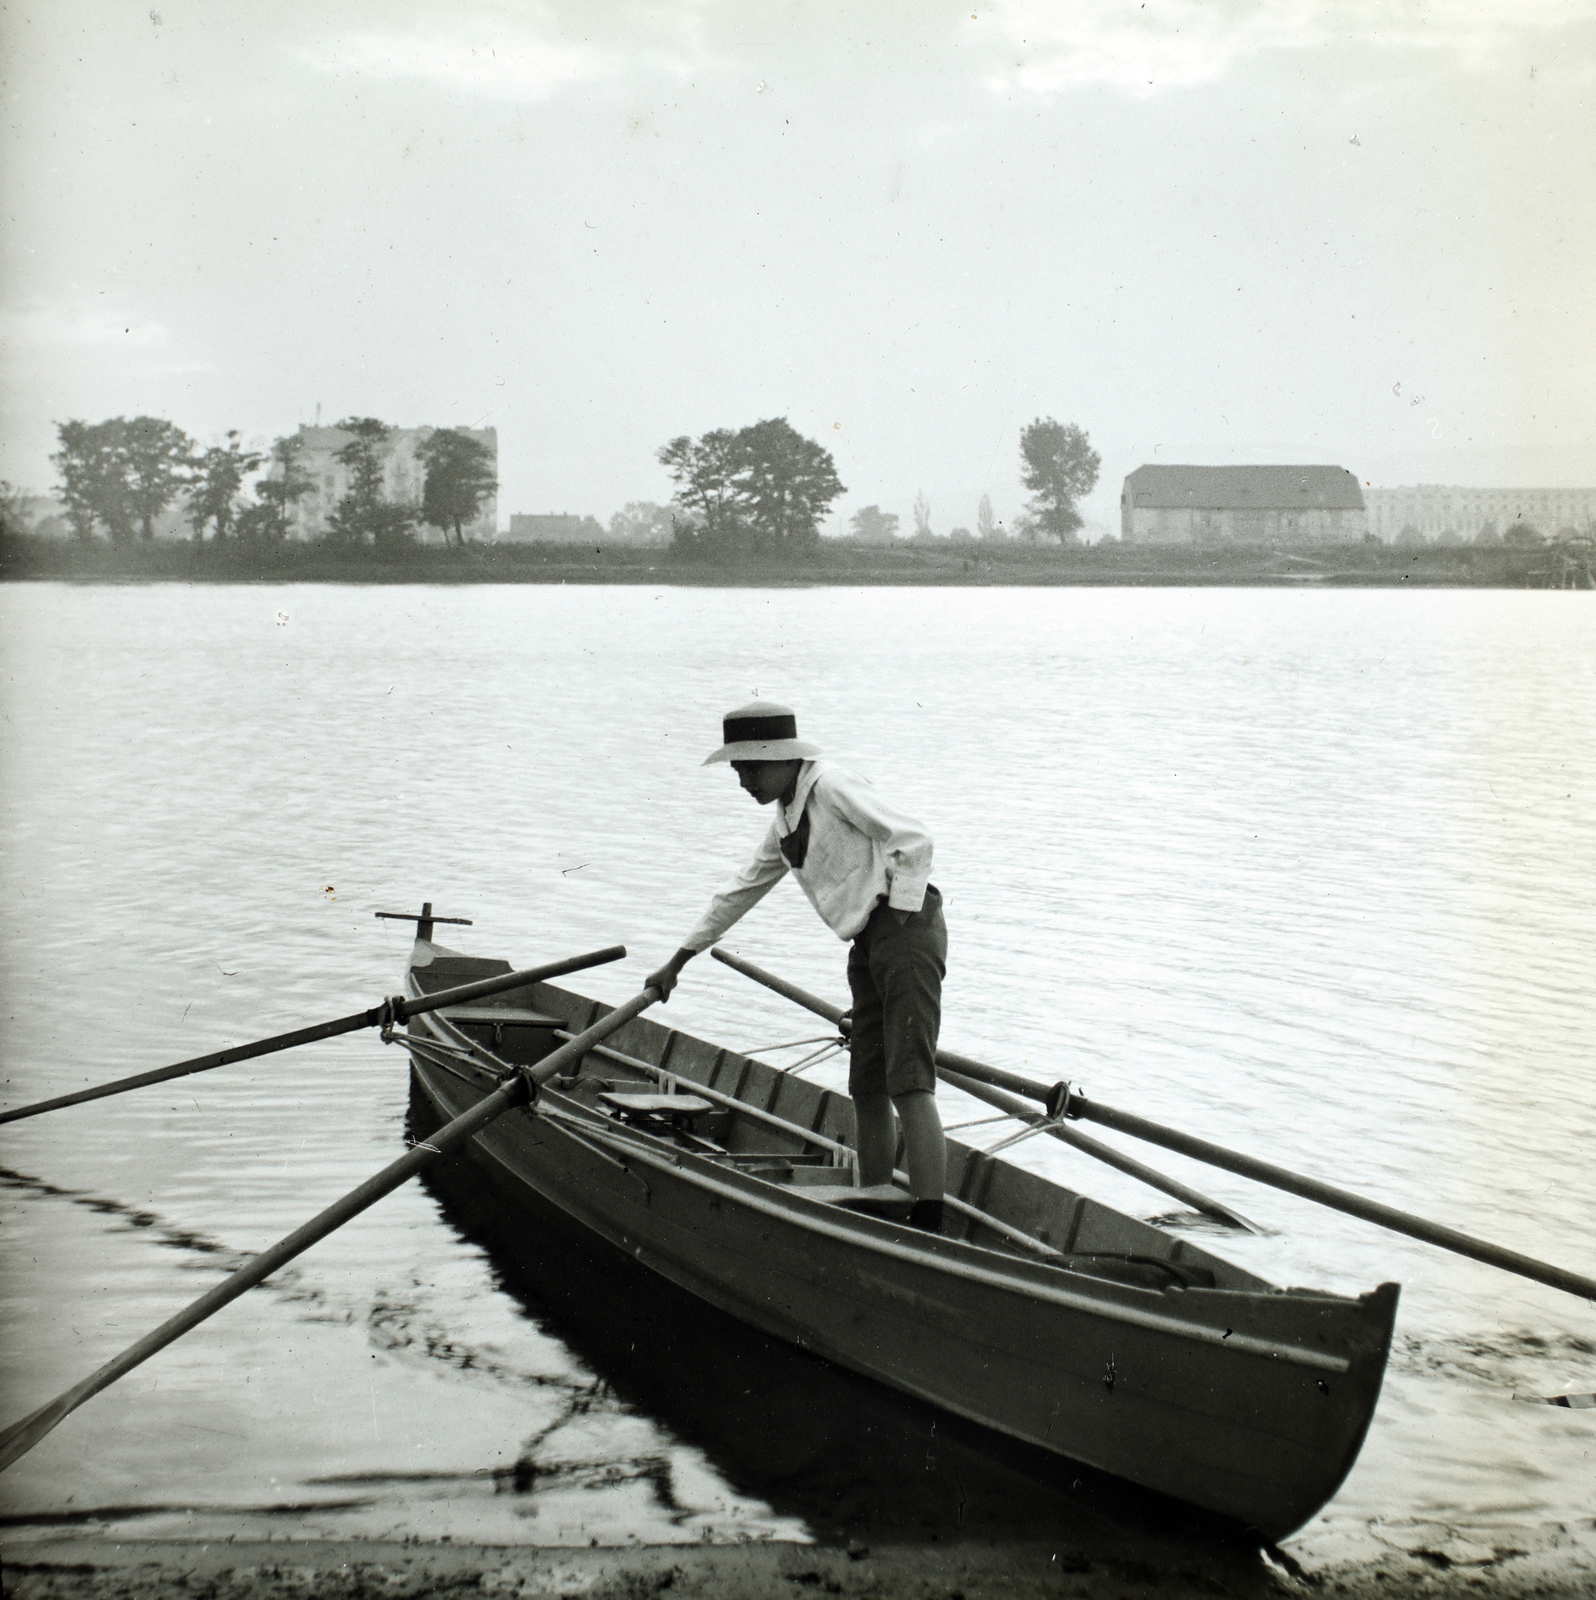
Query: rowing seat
[(654, 1113)]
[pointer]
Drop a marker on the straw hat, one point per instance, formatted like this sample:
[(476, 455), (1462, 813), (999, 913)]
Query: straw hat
[(762, 731)]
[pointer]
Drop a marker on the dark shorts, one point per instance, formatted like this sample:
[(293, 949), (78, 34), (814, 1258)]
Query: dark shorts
[(895, 972)]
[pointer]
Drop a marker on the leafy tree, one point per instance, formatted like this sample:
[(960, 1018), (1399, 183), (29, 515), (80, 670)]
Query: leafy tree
[(159, 462), (122, 473), (1523, 534), (642, 522), (459, 478), (788, 484), (1059, 465), (761, 490), (285, 484), (705, 472), (93, 482), (872, 525), (13, 508), (986, 525), (922, 516), (219, 475), (363, 516)]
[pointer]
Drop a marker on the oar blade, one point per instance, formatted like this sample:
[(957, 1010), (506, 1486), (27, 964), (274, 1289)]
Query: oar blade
[(22, 1436), (17, 1440)]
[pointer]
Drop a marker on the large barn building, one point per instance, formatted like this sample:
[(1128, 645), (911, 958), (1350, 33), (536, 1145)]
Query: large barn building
[(1241, 505)]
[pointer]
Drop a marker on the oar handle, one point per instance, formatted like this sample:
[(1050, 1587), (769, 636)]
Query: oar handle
[(21, 1436), (802, 997), (1012, 1081), (396, 1010), (405, 1008), (990, 1083), (833, 1013)]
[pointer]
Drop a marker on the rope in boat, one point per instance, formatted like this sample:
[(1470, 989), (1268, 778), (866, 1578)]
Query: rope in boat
[(813, 1060), (978, 1122), (791, 1044), (1039, 1126), (831, 1043)]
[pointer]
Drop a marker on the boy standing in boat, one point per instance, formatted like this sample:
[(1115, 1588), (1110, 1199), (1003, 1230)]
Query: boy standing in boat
[(865, 867)]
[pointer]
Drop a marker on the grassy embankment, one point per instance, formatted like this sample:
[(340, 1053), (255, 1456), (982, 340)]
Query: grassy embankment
[(1498, 567)]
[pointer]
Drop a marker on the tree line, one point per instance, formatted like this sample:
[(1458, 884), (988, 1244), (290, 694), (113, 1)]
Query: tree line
[(120, 475), (763, 490), (751, 493)]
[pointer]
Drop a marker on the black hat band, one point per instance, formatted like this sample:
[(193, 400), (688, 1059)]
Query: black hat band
[(759, 730)]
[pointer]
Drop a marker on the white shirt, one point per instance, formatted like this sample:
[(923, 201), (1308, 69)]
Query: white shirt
[(860, 848)]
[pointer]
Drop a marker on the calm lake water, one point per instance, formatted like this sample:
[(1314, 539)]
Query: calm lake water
[(1312, 874)]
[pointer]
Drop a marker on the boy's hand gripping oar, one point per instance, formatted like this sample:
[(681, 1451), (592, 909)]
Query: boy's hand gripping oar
[(973, 1084), (1060, 1099), (398, 1009), (21, 1436)]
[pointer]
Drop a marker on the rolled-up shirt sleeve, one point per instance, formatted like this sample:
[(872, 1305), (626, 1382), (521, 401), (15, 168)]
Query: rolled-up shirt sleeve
[(905, 843), (739, 895)]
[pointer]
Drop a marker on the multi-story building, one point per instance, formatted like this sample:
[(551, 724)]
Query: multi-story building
[(403, 478), (1241, 505), (1438, 510)]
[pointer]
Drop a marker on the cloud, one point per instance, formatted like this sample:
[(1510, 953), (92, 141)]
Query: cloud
[(54, 328), (1182, 44), (501, 68)]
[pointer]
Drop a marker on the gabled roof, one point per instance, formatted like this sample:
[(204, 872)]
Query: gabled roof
[(1244, 488)]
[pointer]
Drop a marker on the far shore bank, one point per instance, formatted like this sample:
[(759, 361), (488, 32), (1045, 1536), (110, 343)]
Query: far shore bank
[(25, 558)]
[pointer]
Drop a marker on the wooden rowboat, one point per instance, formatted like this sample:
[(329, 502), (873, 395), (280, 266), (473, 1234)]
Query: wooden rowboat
[(1038, 1312)]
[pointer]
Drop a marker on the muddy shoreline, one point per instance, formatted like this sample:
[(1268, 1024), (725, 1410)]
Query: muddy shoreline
[(85, 1567)]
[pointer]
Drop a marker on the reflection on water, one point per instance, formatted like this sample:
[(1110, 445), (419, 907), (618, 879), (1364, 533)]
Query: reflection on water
[(1310, 875), (840, 1455)]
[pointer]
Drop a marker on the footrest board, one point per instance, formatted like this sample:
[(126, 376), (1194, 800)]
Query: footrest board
[(879, 1200)]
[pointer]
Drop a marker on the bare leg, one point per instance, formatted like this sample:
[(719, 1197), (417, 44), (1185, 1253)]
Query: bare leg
[(876, 1138), (925, 1149)]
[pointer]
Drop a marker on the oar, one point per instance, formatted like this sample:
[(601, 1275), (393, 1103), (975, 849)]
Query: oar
[(398, 1009), (21, 1436), (955, 1069), (1071, 1102)]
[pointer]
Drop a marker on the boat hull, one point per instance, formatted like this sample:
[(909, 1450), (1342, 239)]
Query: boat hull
[(1251, 1404)]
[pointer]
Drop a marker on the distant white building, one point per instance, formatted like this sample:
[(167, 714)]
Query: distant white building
[(1307, 505), (403, 479), (554, 527), (1434, 510)]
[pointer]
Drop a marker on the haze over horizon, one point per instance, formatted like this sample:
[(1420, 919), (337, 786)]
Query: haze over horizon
[(1357, 232)]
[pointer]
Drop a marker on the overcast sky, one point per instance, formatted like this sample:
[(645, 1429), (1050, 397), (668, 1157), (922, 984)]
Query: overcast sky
[(1361, 233)]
